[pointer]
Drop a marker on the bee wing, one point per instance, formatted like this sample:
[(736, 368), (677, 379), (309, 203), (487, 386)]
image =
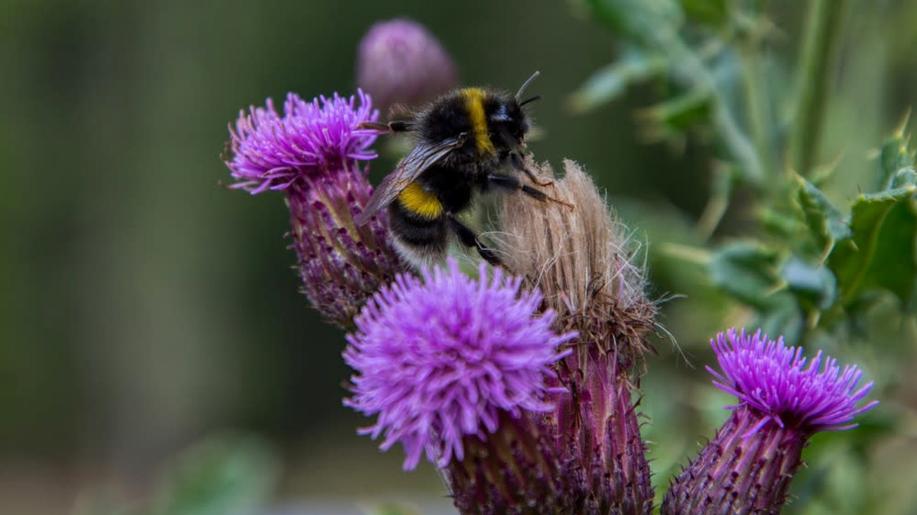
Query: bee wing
[(420, 158)]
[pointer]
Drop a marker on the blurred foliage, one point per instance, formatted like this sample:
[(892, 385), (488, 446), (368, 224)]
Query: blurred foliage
[(792, 259), (229, 474)]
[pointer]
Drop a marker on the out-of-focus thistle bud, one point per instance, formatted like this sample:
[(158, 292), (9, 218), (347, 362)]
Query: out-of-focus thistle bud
[(459, 369), (401, 62), (784, 399), (582, 261), (313, 153)]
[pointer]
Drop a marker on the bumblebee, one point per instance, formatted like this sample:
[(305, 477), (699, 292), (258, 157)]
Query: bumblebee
[(464, 142)]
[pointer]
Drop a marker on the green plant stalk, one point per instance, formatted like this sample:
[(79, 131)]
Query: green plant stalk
[(823, 26), (736, 141), (756, 102)]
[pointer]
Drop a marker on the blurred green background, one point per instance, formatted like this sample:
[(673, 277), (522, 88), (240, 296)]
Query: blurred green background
[(144, 307)]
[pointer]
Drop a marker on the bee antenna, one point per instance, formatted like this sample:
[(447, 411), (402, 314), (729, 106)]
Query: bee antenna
[(530, 99), (526, 84)]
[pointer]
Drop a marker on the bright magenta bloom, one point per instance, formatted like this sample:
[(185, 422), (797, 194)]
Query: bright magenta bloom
[(444, 357)]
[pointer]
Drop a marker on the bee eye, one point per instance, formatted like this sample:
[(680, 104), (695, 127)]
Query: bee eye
[(501, 114)]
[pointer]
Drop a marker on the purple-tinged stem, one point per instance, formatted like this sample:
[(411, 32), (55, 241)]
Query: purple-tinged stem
[(742, 470), (599, 436)]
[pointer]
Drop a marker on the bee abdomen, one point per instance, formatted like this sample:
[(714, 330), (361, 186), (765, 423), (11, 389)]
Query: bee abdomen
[(421, 241), (420, 203)]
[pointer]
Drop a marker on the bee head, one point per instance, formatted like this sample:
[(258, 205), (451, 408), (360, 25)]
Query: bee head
[(508, 120), (508, 123)]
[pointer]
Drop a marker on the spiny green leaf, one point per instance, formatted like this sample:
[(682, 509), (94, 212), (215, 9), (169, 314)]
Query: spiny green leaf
[(905, 177), (610, 82), (895, 155), (747, 271), (881, 252), (779, 223), (826, 223)]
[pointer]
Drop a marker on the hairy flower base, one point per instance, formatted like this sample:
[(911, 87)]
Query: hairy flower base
[(341, 264), (739, 472)]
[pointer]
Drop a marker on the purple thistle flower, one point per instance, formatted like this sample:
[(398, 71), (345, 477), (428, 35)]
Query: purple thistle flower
[(447, 357), (401, 62), (784, 386), (310, 140), (784, 398), (314, 154)]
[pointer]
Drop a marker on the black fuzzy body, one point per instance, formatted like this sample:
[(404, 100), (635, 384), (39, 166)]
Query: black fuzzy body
[(492, 125), (423, 240)]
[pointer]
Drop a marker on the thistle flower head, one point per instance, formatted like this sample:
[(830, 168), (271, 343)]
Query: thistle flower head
[(310, 139), (443, 357), (400, 61), (784, 386), (314, 153)]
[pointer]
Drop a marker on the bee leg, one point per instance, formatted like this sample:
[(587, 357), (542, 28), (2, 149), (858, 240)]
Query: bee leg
[(470, 239), (518, 164), (509, 182), (393, 126)]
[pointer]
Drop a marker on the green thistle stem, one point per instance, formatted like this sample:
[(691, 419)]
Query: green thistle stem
[(823, 26)]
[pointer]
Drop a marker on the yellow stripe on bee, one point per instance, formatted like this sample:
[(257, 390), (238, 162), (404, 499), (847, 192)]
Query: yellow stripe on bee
[(420, 202), (474, 103)]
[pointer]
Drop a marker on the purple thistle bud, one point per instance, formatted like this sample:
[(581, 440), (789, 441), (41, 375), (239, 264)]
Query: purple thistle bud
[(444, 359), (784, 398), (313, 153), (401, 62)]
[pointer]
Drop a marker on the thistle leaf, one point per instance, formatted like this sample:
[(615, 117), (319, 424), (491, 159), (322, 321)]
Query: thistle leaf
[(814, 286), (895, 156), (881, 252), (748, 271), (826, 222)]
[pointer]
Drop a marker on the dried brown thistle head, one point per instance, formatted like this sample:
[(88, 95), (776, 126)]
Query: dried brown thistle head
[(582, 260)]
